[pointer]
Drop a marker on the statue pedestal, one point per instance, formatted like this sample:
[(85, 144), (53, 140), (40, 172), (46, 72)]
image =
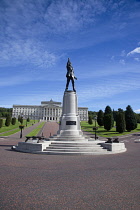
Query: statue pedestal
[(70, 121), (70, 128)]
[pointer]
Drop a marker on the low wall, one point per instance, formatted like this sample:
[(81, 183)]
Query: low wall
[(114, 147), (31, 147)]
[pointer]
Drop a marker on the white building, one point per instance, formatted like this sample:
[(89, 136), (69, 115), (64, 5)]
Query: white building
[(48, 110)]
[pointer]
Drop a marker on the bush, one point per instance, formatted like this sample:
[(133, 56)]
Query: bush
[(100, 118), (1, 122), (130, 119), (28, 119), (90, 120), (108, 118), (8, 120), (108, 110), (120, 122), (13, 122)]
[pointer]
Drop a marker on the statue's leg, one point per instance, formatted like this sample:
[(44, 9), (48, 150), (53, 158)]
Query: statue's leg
[(73, 85), (68, 80)]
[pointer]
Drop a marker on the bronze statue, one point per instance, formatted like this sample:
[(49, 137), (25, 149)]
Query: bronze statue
[(70, 75)]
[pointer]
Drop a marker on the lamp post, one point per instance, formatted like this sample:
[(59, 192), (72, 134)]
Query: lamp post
[(95, 128), (34, 117), (21, 127)]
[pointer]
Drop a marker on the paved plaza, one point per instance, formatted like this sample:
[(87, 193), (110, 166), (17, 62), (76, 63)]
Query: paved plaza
[(106, 182)]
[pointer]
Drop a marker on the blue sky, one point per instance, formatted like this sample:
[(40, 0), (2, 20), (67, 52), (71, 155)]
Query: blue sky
[(101, 38)]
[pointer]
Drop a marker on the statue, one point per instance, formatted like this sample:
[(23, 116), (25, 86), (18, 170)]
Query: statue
[(70, 75)]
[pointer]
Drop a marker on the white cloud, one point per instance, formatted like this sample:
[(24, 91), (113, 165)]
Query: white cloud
[(137, 111), (123, 53), (20, 52), (122, 61), (137, 59), (136, 50), (72, 15)]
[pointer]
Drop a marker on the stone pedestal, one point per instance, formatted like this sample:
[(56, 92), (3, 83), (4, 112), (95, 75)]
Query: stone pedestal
[(70, 121)]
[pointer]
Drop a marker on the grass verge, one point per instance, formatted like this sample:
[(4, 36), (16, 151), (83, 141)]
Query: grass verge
[(36, 130), (14, 128), (102, 132)]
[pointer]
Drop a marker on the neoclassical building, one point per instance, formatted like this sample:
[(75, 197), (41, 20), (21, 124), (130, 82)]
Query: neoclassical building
[(48, 111)]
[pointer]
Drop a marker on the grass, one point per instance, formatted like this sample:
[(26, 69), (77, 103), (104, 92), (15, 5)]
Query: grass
[(10, 132), (11, 129), (102, 132), (36, 130)]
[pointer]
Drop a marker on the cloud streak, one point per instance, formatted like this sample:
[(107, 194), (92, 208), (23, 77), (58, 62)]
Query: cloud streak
[(135, 51)]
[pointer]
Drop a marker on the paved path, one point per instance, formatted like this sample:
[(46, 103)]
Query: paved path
[(49, 129), (106, 182)]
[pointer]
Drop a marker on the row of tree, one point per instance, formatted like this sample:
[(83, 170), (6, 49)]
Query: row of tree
[(8, 121), (125, 120), (4, 112), (12, 121)]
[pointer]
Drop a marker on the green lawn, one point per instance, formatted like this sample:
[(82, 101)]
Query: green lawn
[(36, 130), (9, 130), (102, 132)]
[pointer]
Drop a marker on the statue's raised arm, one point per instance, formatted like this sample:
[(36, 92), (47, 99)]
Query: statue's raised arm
[(70, 75)]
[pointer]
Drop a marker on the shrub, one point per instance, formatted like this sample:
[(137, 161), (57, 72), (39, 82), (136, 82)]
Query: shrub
[(8, 120), (100, 118), (108, 118), (120, 122), (130, 119), (13, 122), (90, 120), (1, 122)]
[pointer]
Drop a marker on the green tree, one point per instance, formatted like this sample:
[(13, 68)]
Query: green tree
[(108, 118), (108, 110), (108, 122), (21, 120), (114, 114), (8, 120), (13, 121), (130, 119), (4, 112), (1, 122), (90, 120), (100, 118), (28, 119), (120, 121), (137, 117)]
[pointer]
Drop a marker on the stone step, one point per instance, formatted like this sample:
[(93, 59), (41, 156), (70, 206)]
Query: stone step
[(74, 149), (77, 153), (68, 138), (89, 144), (73, 146)]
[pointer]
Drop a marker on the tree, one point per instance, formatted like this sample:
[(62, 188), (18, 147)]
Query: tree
[(108, 118), (92, 114), (1, 122), (28, 119), (8, 120), (120, 121), (108, 122), (20, 119), (114, 114), (137, 117), (90, 120), (108, 110), (100, 118), (130, 119), (4, 112), (13, 121)]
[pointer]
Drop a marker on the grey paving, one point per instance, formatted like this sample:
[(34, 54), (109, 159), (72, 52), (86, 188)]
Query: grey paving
[(31, 181)]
